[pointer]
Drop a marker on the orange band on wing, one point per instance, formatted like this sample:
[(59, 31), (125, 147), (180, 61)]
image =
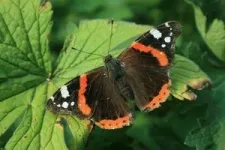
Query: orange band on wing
[(161, 56), (115, 124), (82, 102), (160, 98)]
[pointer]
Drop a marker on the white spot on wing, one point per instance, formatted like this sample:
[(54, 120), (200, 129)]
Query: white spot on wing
[(156, 33), (58, 105), (122, 64), (167, 39), (163, 45), (72, 103), (64, 92), (52, 98), (65, 105), (171, 33), (167, 24)]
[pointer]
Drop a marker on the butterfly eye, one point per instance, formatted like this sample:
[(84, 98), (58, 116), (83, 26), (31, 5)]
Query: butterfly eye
[(107, 58)]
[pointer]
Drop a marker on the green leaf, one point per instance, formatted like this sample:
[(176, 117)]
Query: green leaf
[(25, 69), (214, 37), (79, 130), (209, 134), (24, 59), (211, 129), (184, 74), (141, 129), (155, 131), (27, 79)]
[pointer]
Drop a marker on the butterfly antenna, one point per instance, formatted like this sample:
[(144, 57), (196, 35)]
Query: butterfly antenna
[(111, 21), (87, 52)]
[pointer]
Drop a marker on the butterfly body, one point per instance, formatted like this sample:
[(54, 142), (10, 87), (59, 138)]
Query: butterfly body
[(140, 73), (113, 67)]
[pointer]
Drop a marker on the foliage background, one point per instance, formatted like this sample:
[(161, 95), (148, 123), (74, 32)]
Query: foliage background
[(168, 127), (181, 125)]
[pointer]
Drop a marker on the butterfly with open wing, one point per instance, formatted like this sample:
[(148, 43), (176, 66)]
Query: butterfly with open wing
[(139, 73)]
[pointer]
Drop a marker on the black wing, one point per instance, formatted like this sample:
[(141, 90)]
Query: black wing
[(93, 96), (146, 64)]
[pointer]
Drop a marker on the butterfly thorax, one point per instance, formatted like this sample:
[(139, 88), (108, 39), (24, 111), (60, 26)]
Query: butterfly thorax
[(113, 67), (116, 73)]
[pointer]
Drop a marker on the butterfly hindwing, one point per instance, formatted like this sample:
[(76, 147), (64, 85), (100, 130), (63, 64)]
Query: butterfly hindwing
[(111, 110), (149, 84)]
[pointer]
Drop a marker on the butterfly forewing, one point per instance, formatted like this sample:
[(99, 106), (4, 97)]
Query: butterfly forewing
[(65, 99)]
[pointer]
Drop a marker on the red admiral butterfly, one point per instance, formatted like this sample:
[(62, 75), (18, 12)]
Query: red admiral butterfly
[(140, 73)]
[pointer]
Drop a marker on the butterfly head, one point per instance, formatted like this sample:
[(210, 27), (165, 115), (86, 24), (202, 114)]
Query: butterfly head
[(107, 59), (113, 67)]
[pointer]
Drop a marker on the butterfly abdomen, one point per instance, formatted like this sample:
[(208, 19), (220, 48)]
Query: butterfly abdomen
[(124, 88)]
